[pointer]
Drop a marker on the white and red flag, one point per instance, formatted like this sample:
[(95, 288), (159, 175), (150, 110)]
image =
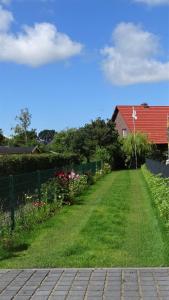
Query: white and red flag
[(134, 114)]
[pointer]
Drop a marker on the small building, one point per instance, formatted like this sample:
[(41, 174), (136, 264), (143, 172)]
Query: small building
[(151, 120), (5, 150)]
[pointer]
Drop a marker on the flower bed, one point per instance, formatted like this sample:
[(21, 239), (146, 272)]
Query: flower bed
[(60, 190)]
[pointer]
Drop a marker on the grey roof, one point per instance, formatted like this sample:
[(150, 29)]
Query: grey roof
[(17, 150)]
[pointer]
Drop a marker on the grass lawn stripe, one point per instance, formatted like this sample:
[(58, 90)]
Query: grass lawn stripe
[(112, 225)]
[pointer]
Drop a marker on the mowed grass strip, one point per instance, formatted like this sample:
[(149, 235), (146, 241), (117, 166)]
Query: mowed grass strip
[(113, 224)]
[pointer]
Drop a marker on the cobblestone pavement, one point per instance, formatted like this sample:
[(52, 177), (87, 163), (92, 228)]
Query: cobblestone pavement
[(85, 284)]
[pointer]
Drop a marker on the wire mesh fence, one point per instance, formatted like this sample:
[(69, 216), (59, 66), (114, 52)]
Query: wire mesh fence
[(157, 167), (16, 189)]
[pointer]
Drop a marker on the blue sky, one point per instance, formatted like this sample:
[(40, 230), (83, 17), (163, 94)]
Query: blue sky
[(81, 59)]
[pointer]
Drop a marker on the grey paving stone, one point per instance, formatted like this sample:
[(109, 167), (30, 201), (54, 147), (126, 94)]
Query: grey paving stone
[(95, 288), (149, 293), (110, 288), (39, 298), (84, 284), (75, 298), (164, 293), (57, 298), (62, 288), (22, 298), (131, 298), (95, 293), (59, 293), (76, 293), (42, 293), (112, 298), (93, 298), (78, 288), (151, 298)]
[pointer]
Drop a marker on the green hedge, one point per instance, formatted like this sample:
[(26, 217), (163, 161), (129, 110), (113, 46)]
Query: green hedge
[(159, 188), (16, 164)]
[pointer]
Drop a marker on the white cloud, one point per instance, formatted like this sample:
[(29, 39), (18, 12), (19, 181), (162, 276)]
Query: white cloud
[(132, 57), (34, 46), (5, 2), (5, 19), (153, 2)]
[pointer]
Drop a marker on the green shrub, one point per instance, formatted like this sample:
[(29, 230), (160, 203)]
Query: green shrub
[(106, 168), (98, 175), (159, 188), (77, 185), (52, 192)]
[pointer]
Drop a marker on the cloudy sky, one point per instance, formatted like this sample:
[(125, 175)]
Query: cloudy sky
[(70, 61)]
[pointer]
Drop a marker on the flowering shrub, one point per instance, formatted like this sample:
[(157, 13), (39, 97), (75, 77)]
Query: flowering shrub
[(159, 188), (106, 168), (53, 192), (98, 175), (63, 188), (38, 203), (77, 185)]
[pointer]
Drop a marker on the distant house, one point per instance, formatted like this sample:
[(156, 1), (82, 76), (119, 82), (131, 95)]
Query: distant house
[(4, 150), (151, 120)]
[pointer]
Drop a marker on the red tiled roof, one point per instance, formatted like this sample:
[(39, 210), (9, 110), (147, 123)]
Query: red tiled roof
[(151, 120)]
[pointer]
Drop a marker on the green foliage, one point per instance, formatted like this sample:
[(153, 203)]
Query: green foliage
[(102, 154), (106, 168), (159, 188), (96, 140), (36, 207), (16, 164), (18, 139), (77, 185), (2, 138), (143, 148), (46, 135), (52, 192), (112, 225), (24, 121)]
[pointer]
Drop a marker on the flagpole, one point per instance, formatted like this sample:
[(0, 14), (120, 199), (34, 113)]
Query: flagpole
[(135, 146), (167, 162)]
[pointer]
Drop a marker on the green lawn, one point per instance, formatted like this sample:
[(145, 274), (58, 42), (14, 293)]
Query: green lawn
[(112, 224)]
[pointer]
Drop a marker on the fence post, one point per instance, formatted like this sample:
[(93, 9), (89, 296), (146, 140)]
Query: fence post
[(39, 184), (12, 201)]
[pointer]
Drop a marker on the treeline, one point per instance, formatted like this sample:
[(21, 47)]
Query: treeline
[(97, 140)]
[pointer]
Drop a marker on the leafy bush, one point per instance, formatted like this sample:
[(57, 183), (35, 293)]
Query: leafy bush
[(98, 175), (52, 192), (138, 143), (159, 188), (106, 168), (77, 185)]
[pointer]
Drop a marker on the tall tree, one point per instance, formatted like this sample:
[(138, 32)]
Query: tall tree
[(24, 121), (46, 135), (96, 139), (2, 138)]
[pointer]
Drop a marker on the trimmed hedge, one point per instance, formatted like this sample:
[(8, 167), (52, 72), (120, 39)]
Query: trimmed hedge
[(16, 164), (159, 188)]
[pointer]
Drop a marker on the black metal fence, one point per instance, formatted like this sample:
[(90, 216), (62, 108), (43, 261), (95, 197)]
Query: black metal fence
[(13, 188), (157, 167)]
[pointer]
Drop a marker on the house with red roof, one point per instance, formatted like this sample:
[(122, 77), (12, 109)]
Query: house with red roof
[(151, 120)]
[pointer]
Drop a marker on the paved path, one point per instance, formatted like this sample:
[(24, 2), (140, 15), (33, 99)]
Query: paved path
[(85, 284)]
